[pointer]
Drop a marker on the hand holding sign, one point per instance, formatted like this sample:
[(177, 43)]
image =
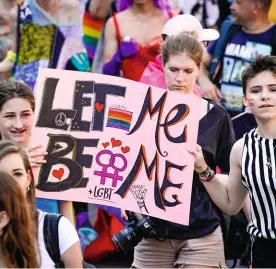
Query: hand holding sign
[(35, 156), (200, 164), (124, 215)]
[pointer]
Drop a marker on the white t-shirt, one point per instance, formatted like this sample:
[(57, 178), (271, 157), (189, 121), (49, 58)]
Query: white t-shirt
[(67, 236)]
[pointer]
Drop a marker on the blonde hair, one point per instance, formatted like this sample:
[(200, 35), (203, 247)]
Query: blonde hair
[(185, 42)]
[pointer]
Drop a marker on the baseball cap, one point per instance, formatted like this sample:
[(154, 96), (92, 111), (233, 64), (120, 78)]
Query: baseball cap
[(187, 22)]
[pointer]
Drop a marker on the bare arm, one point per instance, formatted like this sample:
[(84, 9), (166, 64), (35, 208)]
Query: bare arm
[(228, 194), (208, 88), (110, 41), (66, 209), (72, 257), (7, 65), (246, 208), (69, 244)]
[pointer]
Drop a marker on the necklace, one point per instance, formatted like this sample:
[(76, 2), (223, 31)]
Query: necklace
[(268, 159)]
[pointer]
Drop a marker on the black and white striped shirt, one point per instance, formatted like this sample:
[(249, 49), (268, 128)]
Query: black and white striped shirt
[(259, 178)]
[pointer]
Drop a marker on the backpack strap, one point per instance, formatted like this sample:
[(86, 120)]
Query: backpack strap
[(227, 31), (51, 240)]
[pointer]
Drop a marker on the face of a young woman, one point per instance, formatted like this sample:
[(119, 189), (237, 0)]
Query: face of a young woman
[(14, 166), (16, 120), (181, 73)]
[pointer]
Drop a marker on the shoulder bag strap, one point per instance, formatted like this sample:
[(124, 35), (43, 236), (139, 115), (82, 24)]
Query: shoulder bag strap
[(51, 239)]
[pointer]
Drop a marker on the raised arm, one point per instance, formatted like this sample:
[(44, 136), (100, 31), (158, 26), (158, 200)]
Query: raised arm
[(227, 192)]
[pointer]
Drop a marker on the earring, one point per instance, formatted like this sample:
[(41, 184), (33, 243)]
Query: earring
[(1, 232), (28, 188)]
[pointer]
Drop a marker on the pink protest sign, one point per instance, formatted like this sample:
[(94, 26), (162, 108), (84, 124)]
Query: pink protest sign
[(115, 142)]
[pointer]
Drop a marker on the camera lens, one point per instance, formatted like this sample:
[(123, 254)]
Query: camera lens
[(126, 239)]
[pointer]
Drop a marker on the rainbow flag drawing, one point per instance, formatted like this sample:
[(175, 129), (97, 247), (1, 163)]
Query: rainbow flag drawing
[(118, 118)]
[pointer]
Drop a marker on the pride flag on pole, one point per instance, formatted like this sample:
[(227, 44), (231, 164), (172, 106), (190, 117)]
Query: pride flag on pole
[(91, 33)]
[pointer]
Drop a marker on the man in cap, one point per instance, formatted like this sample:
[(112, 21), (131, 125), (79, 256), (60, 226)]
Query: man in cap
[(250, 33)]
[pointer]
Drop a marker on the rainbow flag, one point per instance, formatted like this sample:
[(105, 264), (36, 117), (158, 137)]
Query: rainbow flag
[(91, 33), (119, 118), (251, 102)]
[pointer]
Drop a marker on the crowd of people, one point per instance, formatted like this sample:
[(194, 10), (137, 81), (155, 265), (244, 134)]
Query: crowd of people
[(222, 51)]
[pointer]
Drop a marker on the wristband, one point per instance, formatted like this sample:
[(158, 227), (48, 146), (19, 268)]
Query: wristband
[(207, 175), (11, 56)]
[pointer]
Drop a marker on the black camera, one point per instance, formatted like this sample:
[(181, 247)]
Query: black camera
[(128, 238)]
